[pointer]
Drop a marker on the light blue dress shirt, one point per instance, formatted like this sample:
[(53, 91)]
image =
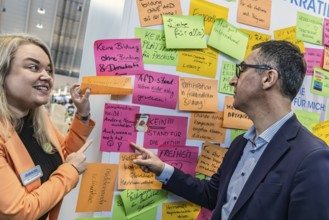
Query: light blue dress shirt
[(251, 154)]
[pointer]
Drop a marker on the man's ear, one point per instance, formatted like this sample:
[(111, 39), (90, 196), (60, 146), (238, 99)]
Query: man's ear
[(270, 79)]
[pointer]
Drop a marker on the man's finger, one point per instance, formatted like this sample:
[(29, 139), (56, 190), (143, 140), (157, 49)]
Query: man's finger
[(85, 146), (140, 149)]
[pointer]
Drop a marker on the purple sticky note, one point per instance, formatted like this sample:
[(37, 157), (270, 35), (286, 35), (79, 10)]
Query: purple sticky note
[(165, 130), (204, 214), (314, 58), (182, 157), (156, 89), (118, 128), (118, 57)]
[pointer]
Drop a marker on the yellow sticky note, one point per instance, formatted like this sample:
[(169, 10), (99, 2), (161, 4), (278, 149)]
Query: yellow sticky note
[(209, 11), (255, 38), (180, 210), (202, 62), (321, 130), (289, 34)]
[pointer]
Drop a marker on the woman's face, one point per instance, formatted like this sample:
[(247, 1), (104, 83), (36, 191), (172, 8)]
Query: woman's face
[(29, 82)]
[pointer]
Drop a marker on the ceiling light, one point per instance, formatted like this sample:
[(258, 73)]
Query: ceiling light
[(41, 11), (39, 26)]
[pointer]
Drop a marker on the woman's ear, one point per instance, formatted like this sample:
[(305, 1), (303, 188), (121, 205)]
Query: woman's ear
[(270, 78)]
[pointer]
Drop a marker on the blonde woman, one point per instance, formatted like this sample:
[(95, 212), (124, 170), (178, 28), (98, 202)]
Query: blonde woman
[(38, 165)]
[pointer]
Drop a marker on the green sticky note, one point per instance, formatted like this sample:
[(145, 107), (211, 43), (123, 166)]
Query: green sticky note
[(154, 47), (309, 28), (228, 39), (227, 72), (235, 133), (96, 218), (184, 31), (200, 176), (320, 82), (119, 211), (308, 119), (137, 202)]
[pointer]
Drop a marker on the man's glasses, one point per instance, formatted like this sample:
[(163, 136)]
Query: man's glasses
[(242, 66)]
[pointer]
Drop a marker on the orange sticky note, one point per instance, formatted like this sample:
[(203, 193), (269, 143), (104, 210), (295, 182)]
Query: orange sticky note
[(234, 118), (97, 188), (207, 126), (198, 95), (131, 176), (150, 12), (255, 13), (114, 85), (326, 58), (210, 159)]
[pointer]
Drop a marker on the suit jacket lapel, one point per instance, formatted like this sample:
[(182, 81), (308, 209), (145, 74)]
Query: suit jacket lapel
[(275, 149)]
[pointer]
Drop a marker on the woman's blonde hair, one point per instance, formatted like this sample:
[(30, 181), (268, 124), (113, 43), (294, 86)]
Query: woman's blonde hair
[(9, 44)]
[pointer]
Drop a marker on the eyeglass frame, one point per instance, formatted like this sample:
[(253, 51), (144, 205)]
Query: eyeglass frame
[(238, 69)]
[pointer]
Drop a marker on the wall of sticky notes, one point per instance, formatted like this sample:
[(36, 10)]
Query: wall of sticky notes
[(160, 72)]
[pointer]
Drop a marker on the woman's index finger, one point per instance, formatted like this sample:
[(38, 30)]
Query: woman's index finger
[(85, 146)]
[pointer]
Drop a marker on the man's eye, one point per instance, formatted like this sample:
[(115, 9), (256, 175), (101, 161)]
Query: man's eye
[(242, 69)]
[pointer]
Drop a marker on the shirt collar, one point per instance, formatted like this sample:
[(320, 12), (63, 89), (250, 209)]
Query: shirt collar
[(268, 134)]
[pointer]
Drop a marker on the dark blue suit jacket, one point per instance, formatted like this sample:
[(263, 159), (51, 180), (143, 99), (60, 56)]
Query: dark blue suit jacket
[(289, 182)]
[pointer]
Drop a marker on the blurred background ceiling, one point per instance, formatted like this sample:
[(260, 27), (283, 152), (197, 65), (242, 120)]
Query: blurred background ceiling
[(60, 23)]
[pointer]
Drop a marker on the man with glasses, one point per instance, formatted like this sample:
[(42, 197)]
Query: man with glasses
[(277, 170)]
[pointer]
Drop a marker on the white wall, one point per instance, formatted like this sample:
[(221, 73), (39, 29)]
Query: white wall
[(113, 19), (104, 21)]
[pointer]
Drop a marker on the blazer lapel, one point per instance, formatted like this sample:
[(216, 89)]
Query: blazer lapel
[(275, 149), (21, 159)]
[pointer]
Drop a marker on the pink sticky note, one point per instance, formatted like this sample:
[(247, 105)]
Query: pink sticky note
[(156, 89), (313, 57), (326, 31), (182, 157), (118, 57), (118, 128), (165, 130), (204, 214)]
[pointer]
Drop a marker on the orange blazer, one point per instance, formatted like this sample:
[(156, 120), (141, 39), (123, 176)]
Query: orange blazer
[(35, 199)]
